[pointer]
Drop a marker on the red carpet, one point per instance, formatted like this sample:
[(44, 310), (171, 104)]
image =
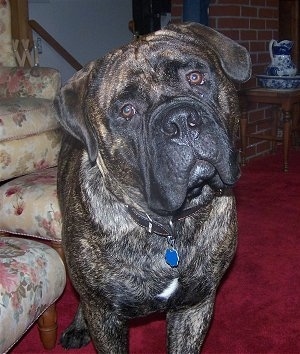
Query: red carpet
[(258, 305)]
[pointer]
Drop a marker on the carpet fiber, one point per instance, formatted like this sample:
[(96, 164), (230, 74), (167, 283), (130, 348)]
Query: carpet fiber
[(258, 306)]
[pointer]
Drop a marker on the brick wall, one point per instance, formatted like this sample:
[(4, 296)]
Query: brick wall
[(252, 23), (176, 10)]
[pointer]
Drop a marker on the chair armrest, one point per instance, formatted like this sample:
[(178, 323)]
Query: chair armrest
[(37, 82)]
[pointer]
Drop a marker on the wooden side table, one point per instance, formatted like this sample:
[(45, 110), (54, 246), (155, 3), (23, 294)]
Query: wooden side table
[(283, 98)]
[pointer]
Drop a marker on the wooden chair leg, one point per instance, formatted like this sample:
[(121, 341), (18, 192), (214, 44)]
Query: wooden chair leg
[(243, 135), (47, 325), (274, 128)]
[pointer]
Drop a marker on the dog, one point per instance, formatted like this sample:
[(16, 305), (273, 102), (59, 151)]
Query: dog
[(145, 177)]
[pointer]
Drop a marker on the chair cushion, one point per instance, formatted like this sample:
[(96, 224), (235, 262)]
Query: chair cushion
[(29, 205), (38, 81), (32, 278), (29, 136), (21, 117)]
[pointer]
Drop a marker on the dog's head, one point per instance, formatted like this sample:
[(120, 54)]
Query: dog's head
[(160, 114)]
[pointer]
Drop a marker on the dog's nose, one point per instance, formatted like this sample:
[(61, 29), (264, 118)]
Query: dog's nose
[(181, 123)]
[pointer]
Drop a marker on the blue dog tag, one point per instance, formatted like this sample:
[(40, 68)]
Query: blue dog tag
[(171, 257)]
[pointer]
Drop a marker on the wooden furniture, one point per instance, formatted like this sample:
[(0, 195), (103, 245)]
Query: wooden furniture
[(289, 26), (285, 99)]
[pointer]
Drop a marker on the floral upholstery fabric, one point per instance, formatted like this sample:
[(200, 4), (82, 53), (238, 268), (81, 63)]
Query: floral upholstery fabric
[(29, 205), (29, 131), (21, 117), (37, 82), (32, 274), (32, 277), (29, 136), (7, 57), (23, 156)]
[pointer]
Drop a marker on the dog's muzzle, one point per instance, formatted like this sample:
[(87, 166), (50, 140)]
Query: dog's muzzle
[(189, 146)]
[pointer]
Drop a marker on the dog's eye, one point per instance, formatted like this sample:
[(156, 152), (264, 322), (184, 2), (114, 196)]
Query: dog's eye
[(195, 78), (128, 111)]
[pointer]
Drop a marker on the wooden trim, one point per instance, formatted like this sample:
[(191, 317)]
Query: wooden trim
[(19, 20), (289, 26), (20, 29), (55, 45)]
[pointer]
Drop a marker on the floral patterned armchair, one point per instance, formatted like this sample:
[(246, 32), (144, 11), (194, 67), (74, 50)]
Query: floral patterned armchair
[(30, 138), (29, 143)]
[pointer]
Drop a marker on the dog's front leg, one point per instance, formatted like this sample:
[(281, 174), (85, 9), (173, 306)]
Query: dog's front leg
[(77, 334), (108, 331), (187, 328)]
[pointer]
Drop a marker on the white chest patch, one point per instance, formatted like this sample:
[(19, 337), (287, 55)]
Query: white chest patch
[(169, 290)]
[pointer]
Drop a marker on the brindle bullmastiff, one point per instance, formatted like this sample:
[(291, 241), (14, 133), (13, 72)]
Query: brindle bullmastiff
[(145, 175)]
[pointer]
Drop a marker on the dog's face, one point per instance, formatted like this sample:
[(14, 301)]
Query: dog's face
[(160, 115)]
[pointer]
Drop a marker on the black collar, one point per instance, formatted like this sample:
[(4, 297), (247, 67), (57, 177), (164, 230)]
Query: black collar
[(155, 227)]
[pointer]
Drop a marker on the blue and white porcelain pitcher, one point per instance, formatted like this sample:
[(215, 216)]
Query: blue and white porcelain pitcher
[(281, 61)]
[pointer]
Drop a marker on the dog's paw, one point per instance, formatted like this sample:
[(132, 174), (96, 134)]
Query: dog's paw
[(74, 338)]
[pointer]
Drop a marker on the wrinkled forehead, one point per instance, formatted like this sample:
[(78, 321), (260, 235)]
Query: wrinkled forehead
[(152, 59), (156, 50)]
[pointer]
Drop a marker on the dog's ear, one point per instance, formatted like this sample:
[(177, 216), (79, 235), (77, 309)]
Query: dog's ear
[(73, 111), (234, 58)]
